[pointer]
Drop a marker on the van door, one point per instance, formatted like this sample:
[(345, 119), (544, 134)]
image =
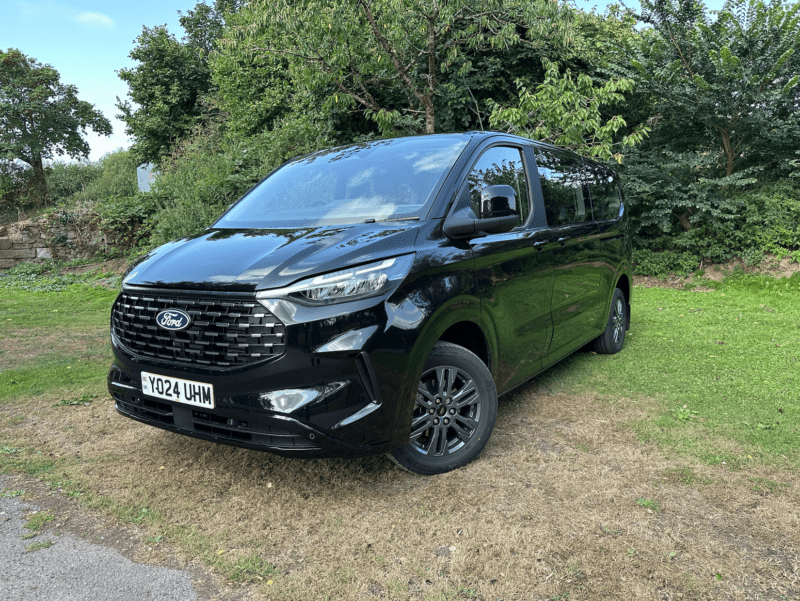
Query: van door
[(607, 208), (514, 271), (577, 307)]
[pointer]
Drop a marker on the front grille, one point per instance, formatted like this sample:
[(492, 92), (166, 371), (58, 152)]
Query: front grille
[(234, 429), (145, 409), (224, 332)]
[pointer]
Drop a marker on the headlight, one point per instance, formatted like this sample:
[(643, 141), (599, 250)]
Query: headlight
[(364, 281)]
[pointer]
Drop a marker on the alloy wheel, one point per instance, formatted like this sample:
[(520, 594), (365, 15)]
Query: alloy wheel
[(447, 412)]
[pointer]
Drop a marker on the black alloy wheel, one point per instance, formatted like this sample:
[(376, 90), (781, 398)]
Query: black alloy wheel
[(454, 413), (612, 339)]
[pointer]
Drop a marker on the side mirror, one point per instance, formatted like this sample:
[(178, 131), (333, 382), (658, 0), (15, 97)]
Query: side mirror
[(498, 201), (461, 224)]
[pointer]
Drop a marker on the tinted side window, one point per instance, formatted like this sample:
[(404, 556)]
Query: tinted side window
[(500, 165), (562, 178), (605, 192)]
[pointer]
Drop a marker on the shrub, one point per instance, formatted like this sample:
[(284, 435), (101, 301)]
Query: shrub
[(65, 180), (15, 177), (772, 218), (117, 178), (660, 264), (128, 218)]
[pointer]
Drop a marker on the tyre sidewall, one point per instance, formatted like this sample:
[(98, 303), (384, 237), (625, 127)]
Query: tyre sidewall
[(605, 343)]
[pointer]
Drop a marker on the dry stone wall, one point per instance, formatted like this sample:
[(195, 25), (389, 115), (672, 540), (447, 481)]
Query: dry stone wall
[(49, 237)]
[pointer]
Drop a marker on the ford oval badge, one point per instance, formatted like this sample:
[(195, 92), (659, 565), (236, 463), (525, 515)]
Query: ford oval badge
[(173, 319)]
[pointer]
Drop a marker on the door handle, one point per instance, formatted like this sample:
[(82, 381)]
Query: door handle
[(563, 241), (539, 243)]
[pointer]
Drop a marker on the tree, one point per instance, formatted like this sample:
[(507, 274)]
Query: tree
[(387, 58), (566, 111), (167, 85), (733, 80), (170, 85), (205, 24), (40, 117), (725, 102)]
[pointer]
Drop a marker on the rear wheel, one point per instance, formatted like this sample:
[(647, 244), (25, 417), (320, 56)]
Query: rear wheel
[(454, 412), (612, 339)]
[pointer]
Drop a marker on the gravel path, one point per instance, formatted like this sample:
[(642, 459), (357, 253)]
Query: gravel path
[(74, 569)]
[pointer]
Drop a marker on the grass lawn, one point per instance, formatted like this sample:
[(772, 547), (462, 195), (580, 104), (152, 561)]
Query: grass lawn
[(721, 365), (666, 470)]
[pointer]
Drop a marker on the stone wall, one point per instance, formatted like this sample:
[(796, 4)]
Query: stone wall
[(48, 237)]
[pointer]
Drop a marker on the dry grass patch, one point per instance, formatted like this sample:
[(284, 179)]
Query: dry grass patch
[(549, 510)]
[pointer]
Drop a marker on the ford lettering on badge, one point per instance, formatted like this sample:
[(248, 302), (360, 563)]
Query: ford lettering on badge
[(173, 319)]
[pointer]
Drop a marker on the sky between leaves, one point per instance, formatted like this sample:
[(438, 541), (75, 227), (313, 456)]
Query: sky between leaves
[(88, 42)]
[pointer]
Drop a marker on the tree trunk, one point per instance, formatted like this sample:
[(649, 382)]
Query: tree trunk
[(38, 186), (730, 155), (430, 117)]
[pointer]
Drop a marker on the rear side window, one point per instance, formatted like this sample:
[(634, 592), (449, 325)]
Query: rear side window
[(500, 165), (563, 186), (604, 189)]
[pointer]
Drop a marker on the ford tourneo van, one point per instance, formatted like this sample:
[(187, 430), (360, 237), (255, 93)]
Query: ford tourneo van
[(377, 298)]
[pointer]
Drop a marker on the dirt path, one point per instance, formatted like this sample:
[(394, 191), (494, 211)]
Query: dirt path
[(79, 557)]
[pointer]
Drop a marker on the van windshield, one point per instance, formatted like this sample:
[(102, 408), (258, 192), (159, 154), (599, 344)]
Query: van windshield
[(385, 179)]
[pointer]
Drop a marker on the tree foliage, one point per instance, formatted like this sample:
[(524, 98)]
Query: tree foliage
[(387, 58), (732, 82), (702, 109), (566, 111), (169, 88), (40, 117), (166, 89), (206, 23), (721, 97)]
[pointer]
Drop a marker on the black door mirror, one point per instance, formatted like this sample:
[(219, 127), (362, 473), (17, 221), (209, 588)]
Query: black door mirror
[(498, 201)]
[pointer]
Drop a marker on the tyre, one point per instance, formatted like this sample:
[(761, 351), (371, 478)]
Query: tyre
[(454, 413), (612, 339)]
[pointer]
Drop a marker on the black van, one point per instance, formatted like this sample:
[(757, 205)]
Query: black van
[(376, 298)]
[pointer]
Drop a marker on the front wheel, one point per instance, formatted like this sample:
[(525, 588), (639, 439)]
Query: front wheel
[(612, 339), (454, 413)]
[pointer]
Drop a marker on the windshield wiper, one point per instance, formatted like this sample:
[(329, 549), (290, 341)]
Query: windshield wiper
[(372, 220)]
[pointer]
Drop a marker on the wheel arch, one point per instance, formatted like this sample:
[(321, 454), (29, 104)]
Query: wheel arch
[(624, 284), (469, 335), (457, 323)]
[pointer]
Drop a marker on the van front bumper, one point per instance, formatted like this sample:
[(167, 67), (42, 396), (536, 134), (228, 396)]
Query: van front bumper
[(351, 372)]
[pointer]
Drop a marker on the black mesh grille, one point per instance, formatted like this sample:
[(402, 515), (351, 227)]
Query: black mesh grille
[(145, 408), (262, 432), (224, 332)]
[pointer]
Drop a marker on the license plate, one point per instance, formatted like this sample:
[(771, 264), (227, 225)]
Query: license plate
[(189, 392)]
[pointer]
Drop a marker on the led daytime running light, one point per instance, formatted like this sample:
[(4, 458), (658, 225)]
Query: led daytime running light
[(347, 284), (367, 285)]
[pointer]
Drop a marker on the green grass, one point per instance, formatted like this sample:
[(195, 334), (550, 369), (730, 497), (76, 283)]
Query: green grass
[(719, 366), (50, 276), (75, 308), (36, 546), (37, 520), (686, 476), (85, 399), (648, 504), (64, 335), (251, 568), (51, 372)]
